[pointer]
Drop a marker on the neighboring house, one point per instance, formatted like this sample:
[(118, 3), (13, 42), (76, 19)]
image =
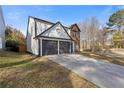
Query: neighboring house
[(46, 38), (2, 30), (75, 34)]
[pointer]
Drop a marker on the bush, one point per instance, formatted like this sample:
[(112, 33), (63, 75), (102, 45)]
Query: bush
[(14, 38)]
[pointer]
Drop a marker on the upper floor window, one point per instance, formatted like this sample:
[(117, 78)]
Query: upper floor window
[(75, 34)]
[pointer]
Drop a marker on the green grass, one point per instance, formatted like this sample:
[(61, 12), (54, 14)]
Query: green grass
[(24, 70)]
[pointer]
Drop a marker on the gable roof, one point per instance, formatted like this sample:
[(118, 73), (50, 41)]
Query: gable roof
[(40, 35), (76, 27), (38, 19)]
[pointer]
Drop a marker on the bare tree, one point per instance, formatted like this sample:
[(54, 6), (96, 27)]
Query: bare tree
[(90, 33)]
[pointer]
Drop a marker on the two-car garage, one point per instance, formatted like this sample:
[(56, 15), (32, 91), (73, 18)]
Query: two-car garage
[(50, 47), (55, 40)]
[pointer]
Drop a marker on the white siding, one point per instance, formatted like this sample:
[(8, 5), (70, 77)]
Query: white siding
[(41, 26), (53, 32), (32, 44), (2, 30)]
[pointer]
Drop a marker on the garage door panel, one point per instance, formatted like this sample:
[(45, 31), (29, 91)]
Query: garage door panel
[(49, 47), (64, 47)]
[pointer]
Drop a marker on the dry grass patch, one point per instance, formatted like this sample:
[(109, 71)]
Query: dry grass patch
[(119, 60), (31, 71)]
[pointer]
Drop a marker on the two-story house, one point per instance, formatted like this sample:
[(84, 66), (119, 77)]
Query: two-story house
[(46, 38)]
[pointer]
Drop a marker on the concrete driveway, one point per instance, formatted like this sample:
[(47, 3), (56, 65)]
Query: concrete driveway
[(100, 72)]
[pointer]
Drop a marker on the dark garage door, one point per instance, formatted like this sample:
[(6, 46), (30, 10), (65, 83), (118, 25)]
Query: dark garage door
[(64, 47), (49, 47)]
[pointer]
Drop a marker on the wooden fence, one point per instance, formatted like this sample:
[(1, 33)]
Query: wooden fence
[(22, 48)]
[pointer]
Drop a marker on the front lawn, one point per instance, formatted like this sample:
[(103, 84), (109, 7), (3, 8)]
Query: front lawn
[(24, 70), (112, 57)]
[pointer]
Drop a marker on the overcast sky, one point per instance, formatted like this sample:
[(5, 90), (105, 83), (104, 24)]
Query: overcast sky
[(17, 16)]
